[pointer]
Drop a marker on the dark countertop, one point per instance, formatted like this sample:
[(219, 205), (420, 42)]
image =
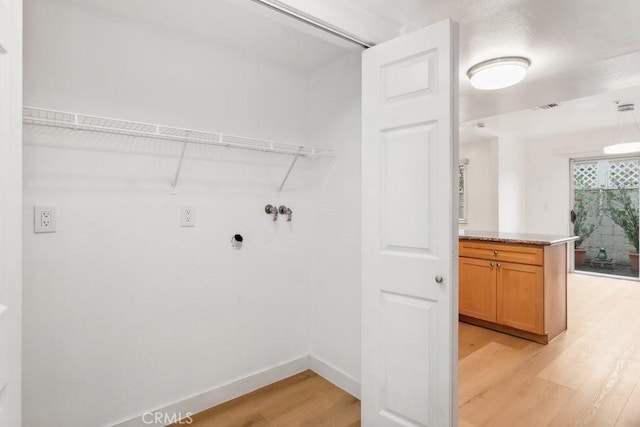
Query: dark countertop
[(519, 238)]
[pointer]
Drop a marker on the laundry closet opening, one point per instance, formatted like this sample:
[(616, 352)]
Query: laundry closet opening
[(154, 140)]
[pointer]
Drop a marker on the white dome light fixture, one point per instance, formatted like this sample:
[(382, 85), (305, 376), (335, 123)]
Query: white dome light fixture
[(626, 147), (498, 73)]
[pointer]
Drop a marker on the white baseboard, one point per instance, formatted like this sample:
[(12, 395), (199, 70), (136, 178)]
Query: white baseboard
[(245, 385), (225, 392), (335, 376)]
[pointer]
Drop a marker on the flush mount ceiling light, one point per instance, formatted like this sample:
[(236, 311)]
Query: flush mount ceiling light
[(498, 73), (626, 147)]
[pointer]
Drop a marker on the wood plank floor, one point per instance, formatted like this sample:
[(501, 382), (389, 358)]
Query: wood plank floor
[(305, 399), (588, 376)]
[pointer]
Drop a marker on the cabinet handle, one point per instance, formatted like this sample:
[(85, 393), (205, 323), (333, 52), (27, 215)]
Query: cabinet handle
[(491, 264), (498, 265), (495, 252)]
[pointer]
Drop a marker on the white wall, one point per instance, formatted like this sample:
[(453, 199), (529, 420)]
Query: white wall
[(509, 181), (548, 176), (124, 310), (511, 185), (481, 185), (336, 255), (83, 60), (534, 179), (548, 196)]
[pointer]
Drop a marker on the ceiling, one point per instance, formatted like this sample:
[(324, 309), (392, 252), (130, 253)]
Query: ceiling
[(578, 48), (594, 114)]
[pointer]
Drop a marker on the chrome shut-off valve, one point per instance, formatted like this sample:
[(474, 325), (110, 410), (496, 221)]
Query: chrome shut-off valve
[(272, 210), (286, 211)]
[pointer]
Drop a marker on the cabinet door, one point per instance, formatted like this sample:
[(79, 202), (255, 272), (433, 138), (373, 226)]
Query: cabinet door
[(477, 279), (520, 296)]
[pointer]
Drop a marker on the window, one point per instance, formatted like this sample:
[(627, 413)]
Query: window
[(462, 193)]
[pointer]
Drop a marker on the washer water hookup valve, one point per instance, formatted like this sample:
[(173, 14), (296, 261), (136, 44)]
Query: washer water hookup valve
[(272, 210), (283, 210)]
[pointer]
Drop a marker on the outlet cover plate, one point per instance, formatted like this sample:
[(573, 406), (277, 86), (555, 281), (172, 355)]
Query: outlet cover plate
[(187, 216), (44, 219)]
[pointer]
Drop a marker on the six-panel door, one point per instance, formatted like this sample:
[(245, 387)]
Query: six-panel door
[(409, 230)]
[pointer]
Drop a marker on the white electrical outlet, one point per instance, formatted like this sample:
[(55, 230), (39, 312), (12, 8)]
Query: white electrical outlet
[(187, 216), (44, 219)]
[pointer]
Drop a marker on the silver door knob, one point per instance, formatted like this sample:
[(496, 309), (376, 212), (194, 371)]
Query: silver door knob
[(439, 279)]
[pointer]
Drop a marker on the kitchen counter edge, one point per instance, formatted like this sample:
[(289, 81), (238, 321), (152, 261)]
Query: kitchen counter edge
[(516, 238)]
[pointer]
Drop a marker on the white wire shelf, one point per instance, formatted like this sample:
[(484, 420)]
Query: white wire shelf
[(76, 121), (85, 122)]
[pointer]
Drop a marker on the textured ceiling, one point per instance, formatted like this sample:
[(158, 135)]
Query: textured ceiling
[(577, 47), (595, 114)]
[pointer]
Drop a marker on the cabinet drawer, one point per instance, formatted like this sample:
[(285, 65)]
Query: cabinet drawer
[(521, 254)]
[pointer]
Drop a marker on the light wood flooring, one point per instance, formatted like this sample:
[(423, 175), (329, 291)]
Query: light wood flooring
[(305, 399), (588, 376)]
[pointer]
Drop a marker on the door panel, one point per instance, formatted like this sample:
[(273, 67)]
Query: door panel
[(402, 380), (405, 189), (408, 77), (478, 288), (409, 230), (520, 296)]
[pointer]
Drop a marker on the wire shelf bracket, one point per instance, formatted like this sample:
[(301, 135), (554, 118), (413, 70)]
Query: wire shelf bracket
[(293, 163), (84, 122), (174, 183)]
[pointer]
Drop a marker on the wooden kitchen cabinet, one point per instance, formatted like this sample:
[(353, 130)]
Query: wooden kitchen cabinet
[(514, 288), (519, 293), (477, 278)]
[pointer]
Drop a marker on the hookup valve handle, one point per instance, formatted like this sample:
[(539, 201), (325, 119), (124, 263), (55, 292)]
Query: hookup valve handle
[(272, 210), (286, 211)]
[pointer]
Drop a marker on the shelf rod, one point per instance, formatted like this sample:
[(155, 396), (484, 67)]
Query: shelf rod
[(293, 163), (314, 22), (175, 178)]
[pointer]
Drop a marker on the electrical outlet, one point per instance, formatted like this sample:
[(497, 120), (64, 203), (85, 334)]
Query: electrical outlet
[(44, 219), (187, 216)]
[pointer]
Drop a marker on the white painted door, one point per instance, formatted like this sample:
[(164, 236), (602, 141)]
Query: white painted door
[(410, 230), (10, 210)]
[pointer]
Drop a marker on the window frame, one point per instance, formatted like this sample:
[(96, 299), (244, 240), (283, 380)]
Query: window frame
[(463, 197)]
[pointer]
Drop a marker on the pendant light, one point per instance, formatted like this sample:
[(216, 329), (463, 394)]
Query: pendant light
[(498, 73), (626, 147)]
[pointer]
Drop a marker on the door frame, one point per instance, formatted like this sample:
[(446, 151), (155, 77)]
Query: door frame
[(11, 212), (571, 256)]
